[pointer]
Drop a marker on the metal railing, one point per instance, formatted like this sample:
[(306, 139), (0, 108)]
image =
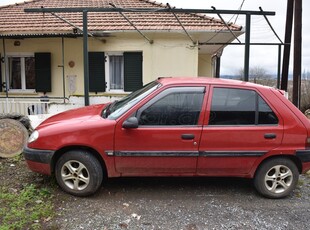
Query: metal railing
[(29, 105)]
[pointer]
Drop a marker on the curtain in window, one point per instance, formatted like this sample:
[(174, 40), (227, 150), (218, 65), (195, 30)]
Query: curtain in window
[(15, 73), (116, 72)]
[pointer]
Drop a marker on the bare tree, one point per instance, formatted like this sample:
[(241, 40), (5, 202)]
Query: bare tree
[(305, 91), (259, 75)]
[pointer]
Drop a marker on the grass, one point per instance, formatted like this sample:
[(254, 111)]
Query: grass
[(29, 208)]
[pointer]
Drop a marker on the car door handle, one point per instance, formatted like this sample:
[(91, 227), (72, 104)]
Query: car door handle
[(270, 135), (188, 136)]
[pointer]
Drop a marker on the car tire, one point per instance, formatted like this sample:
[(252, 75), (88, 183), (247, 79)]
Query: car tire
[(79, 173), (276, 178)]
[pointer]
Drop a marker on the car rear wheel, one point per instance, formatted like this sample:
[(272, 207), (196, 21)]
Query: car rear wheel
[(276, 178), (79, 173)]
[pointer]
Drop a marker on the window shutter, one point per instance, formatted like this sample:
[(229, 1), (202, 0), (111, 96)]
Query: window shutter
[(96, 71), (43, 72), (1, 80), (132, 71)]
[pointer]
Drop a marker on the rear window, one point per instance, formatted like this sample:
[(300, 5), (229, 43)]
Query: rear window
[(240, 107)]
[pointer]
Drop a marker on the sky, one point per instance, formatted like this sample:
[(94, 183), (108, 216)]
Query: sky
[(260, 56)]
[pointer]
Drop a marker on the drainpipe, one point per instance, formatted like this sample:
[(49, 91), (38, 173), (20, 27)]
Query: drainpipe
[(85, 54), (63, 68)]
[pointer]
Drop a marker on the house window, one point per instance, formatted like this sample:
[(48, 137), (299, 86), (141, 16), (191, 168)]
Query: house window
[(116, 72), (21, 72)]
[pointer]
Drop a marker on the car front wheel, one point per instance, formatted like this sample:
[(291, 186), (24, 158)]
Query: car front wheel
[(276, 178), (79, 173)]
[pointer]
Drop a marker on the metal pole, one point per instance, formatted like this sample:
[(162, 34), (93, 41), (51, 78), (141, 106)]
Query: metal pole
[(85, 54), (287, 41), (5, 70), (63, 68), (297, 52), (218, 66), (279, 66), (146, 10), (6, 77), (247, 47)]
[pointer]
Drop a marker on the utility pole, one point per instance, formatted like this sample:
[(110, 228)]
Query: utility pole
[(297, 52), (287, 46)]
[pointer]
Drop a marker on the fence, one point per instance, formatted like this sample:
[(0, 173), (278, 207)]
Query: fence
[(28, 106)]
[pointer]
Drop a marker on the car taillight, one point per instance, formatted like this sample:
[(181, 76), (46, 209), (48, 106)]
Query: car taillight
[(308, 142)]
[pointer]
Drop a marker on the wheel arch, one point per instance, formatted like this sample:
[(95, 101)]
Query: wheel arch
[(293, 158), (90, 150)]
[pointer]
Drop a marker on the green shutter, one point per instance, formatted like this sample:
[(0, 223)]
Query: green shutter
[(96, 71), (1, 80), (132, 71), (43, 72)]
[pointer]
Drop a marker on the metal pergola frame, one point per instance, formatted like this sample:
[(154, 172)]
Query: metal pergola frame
[(85, 10)]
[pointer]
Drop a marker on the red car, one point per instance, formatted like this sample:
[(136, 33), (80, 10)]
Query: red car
[(178, 127)]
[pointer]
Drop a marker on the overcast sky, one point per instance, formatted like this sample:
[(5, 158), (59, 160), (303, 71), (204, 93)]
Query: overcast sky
[(262, 56)]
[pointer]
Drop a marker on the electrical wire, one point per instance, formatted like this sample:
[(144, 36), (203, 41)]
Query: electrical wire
[(240, 7)]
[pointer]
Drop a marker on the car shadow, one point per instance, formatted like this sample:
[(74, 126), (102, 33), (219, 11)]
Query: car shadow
[(201, 186)]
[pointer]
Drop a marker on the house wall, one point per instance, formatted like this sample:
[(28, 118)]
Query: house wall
[(204, 65), (165, 57)]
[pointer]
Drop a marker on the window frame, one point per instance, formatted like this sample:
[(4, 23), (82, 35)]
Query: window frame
[(107, 72), (22, 57)]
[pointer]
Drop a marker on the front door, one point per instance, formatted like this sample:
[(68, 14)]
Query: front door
[(167, 138)]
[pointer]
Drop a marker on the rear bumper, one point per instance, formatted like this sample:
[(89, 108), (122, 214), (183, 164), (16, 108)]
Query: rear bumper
[(39, 160), (304, 157)]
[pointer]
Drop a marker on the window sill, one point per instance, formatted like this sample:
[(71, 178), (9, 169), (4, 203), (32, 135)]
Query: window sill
[(20, 93)]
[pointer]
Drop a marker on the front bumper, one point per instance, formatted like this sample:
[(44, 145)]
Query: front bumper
[(39, 160)]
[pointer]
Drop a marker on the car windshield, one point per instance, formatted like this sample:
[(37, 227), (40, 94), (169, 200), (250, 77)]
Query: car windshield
[(118, 108)]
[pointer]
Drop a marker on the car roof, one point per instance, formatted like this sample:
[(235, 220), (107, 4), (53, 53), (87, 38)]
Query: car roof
[(207, 80)]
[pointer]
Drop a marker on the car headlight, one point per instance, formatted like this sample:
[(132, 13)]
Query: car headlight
[(34, 136)]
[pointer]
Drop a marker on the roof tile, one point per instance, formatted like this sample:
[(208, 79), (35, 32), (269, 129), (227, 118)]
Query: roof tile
[(15, 21)]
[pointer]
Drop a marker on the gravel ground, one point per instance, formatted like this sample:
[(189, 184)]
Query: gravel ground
[(184, 203), (169, 203)]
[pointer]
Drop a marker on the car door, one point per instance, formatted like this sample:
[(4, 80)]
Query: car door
[(240, 128), (167, 137)]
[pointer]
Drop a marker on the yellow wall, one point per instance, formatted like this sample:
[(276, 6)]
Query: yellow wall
[(204, 65), (173, 56)]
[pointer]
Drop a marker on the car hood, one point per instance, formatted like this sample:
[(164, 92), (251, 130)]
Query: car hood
[(75, 115)]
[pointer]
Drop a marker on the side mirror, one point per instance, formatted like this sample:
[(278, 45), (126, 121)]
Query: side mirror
[(131, 123)]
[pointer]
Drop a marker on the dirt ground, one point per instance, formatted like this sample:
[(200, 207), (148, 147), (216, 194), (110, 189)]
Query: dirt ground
[(168, 203)]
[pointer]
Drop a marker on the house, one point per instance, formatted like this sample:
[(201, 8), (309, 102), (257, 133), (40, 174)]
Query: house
[(42, 53)]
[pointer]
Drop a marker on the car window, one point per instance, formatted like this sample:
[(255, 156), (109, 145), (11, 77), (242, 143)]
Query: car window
[(266, 115), (118, 108), (173, 107), (239, 107)]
